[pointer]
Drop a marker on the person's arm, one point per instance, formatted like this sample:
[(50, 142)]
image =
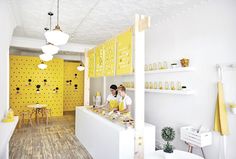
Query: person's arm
[(126, 110)]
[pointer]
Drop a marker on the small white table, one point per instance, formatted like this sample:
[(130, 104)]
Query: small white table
[(37, 108), (177, 155)]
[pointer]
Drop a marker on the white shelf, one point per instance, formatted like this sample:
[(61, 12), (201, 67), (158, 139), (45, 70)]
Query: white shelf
[(6, 131), (180, 92), (169, 70)]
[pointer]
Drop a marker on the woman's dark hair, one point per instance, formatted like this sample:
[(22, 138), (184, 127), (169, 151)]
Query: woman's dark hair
[(114, 87)]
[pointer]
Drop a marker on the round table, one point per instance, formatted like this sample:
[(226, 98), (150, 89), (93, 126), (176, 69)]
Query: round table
[(177, 155), (37, 108)]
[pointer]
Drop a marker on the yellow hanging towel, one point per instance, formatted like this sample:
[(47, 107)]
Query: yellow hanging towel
[(221, 121)]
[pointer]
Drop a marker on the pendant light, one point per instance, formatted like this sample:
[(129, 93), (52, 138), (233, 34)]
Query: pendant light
[(56, 36), (80, 67), (42, 66), (46, 57), (49, 48)]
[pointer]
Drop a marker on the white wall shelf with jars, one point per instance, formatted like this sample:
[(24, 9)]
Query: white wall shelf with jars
[(169, 70), (163, 91)]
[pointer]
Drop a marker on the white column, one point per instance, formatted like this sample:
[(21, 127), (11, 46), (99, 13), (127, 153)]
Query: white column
[(86, 80), (141, 23)]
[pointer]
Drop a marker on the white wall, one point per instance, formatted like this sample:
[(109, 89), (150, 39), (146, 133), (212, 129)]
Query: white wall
[(7, 25), (206, 34)]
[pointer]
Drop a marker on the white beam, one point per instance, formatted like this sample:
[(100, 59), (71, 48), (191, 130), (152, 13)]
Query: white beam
[(86, 80), (31, 43)]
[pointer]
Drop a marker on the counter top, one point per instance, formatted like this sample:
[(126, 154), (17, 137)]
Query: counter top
[(6, 131), (117, 118)]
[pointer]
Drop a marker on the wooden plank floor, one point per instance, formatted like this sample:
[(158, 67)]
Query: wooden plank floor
[(55, 141)]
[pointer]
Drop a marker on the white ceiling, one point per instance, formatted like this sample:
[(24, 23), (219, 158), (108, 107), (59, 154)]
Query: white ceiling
[(92, 21)]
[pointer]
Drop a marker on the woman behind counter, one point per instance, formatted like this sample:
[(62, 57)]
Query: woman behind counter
[(125, 101), (113, 98)]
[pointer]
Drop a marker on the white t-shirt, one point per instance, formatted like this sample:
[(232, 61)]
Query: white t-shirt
[(126, 100), (111, 97)]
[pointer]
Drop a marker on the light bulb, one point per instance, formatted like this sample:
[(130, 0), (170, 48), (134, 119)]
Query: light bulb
[(46, 57)]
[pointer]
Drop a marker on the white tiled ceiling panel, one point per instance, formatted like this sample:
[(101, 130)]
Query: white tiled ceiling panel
[(92, 21)]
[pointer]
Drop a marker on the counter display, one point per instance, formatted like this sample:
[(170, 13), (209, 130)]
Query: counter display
[(106, 137), (114, 116)]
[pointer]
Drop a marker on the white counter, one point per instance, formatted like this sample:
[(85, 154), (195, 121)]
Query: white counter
[(105, 139), (6, 131)]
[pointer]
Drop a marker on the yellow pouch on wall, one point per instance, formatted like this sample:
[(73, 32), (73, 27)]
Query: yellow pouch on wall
[(113, 104)]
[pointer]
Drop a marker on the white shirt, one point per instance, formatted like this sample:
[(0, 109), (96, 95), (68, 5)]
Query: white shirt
[(126, 100), (111, 97)]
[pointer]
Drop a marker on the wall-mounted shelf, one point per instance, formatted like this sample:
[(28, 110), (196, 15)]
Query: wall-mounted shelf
[(180, 92), (169, 70)]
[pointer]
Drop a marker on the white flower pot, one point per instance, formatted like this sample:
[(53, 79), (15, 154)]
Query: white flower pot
[(168, 155)]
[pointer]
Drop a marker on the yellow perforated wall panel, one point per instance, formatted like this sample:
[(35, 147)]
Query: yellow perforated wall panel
[(23, 68), (109, 57), (73, 97), (91, 65), (99, 61), (124, 53)]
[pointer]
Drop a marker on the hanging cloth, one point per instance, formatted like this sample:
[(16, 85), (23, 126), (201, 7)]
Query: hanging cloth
[(221, 120)]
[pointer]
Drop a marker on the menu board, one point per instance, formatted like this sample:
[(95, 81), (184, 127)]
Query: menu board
[(99, 61), (109, 57), (124, 53), (91, 63)]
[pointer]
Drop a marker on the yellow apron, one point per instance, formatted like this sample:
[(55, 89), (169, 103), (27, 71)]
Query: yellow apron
[(121, 108), (113, 104)]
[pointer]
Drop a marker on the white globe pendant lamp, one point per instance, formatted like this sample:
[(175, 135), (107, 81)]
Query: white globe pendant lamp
[(46, 57), (50, 49), (57, 36), (80, 67), (42, 66)]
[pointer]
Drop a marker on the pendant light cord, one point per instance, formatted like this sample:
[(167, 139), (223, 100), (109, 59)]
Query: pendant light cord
[(50, 22), (57, 12)]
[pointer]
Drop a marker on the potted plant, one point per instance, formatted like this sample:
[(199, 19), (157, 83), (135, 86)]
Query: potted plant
[(168, 134)]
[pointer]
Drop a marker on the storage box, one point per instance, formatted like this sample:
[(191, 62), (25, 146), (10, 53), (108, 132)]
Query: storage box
[(192, 136)]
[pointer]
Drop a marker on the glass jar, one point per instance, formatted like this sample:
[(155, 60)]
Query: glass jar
[(155, 85), (159, 65), (150, 85), (179, 85), (167, 85), (160, 85), (172, 85), (146, 85), (165, 65)]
